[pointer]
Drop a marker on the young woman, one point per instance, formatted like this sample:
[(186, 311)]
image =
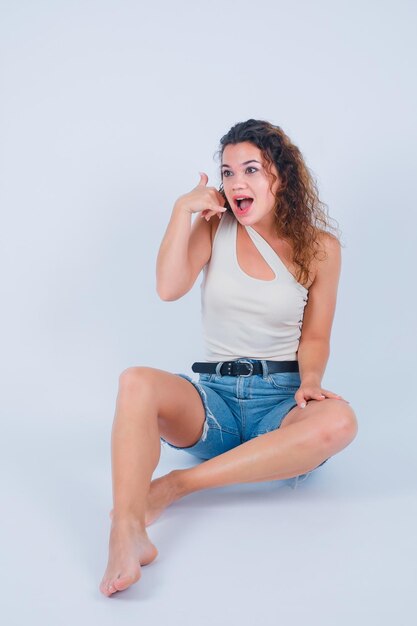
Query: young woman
[(258, 411)]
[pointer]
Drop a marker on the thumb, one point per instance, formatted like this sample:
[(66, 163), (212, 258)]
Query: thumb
[(203, 179)]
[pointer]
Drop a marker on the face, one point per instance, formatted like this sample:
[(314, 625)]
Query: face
[(243, 175)]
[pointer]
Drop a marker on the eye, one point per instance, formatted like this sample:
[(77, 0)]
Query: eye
[(228, 173)]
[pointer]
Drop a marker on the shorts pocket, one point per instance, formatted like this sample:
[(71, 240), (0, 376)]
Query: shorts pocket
[(285, 381)]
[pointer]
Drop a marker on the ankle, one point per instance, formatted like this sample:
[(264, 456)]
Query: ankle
[(179, 483), (128, 518)]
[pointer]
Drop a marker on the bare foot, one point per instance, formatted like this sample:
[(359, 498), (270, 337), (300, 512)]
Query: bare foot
[(129, 548), (163, 491)]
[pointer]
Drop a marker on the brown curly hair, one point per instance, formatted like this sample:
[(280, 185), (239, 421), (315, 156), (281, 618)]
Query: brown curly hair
[(300, 217)]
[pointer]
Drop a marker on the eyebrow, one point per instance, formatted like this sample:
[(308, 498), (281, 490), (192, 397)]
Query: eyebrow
[(245, 163)]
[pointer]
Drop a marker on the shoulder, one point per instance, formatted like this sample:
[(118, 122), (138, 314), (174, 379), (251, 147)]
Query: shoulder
[(328, 243), (328, 249), (328, 259)]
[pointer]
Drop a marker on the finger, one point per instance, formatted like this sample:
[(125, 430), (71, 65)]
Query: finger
[(330, 394), (208, 213), (203, 180), (301, 400)]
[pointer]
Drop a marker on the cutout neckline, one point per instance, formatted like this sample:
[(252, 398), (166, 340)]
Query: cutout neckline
[(272, 267), (274, 258)]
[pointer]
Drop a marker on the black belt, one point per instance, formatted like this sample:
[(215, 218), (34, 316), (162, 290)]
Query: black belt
[(244, 368)]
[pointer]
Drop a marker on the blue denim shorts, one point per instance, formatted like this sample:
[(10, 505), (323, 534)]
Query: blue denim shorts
[(239, 408)]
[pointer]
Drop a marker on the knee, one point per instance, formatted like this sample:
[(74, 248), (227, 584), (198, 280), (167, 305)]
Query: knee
[(135, 378), (341, 425)]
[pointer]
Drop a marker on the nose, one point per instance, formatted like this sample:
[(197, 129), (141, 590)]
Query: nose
[(237, 183)]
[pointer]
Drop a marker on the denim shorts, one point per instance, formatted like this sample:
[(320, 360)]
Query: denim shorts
[(239, 408)]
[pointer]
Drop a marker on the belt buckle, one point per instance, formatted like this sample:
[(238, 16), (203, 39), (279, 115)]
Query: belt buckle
[(251, 369)]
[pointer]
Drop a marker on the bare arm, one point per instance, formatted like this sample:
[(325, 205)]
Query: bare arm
[(185, 249), (314, 348)]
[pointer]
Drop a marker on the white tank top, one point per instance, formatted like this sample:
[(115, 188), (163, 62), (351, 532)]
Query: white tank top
[(245, 317)]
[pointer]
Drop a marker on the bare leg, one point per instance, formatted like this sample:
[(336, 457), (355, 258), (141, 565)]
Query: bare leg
[(305, 439), (150, 401), (135, 454)]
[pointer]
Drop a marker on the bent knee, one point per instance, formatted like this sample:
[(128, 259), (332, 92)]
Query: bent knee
[(133, 378), (341, 427)]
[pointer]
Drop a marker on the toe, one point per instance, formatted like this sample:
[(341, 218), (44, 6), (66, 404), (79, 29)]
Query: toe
[(123, 582), (111, 589), (104, 587)]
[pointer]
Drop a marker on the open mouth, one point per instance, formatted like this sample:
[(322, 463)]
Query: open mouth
[(244, 203)]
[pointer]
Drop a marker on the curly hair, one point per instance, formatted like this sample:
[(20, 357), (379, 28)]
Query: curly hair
[(300, 217)]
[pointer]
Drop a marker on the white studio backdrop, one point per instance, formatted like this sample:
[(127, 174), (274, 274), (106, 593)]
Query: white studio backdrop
[(108, 111)]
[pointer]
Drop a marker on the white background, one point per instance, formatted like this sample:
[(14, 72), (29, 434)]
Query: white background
[(108, 111)]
